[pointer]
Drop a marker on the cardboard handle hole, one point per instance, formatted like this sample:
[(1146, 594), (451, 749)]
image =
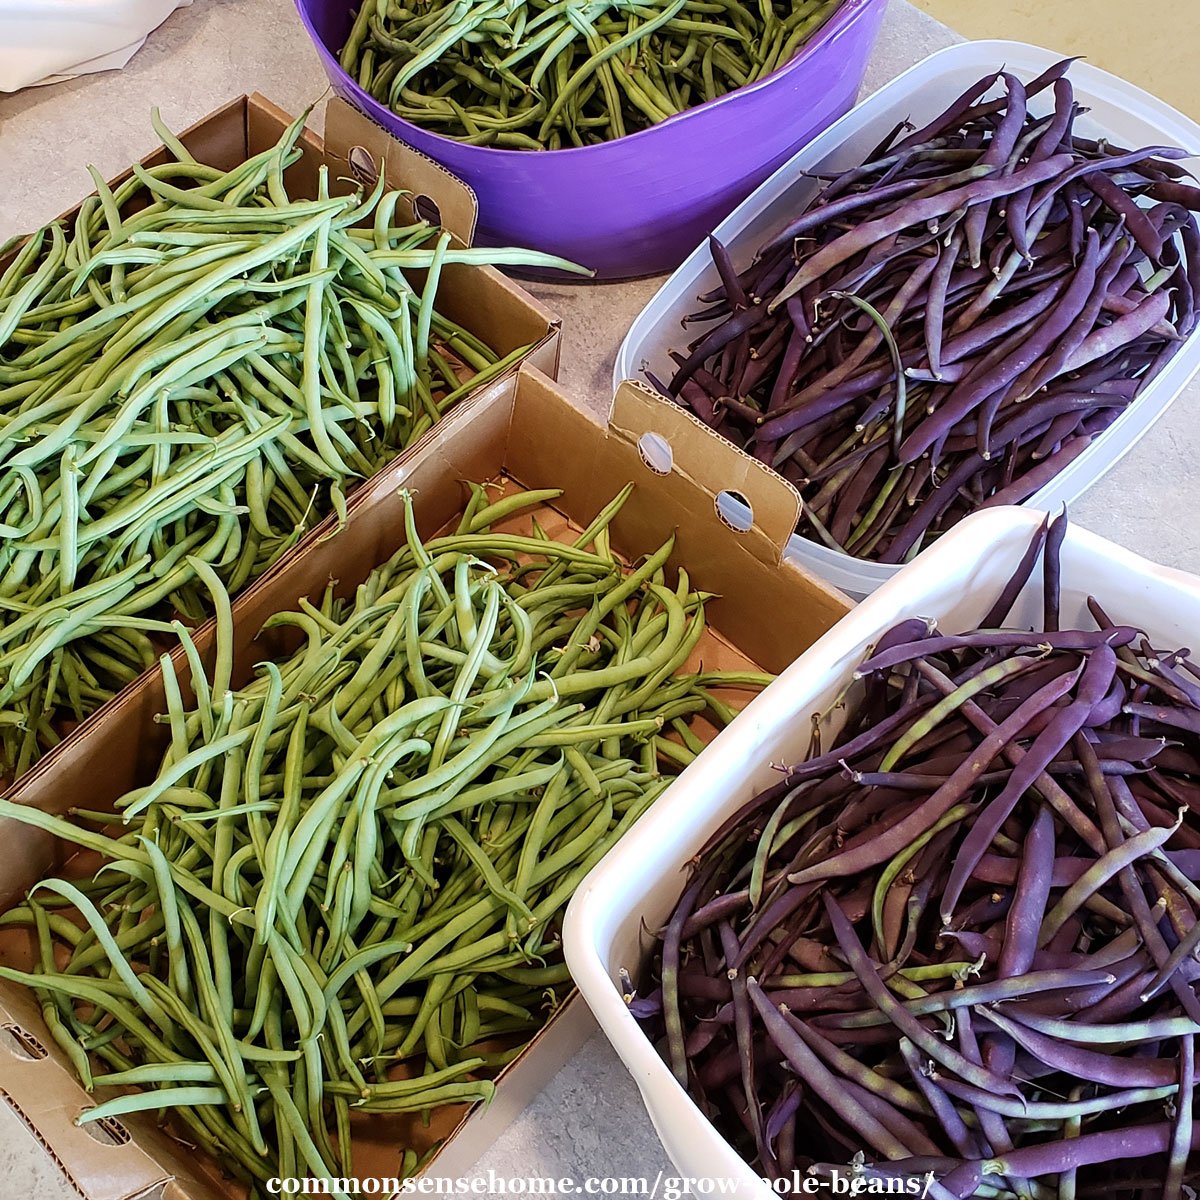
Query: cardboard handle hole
[(426, 210), (363, 166), (20, 1043), (656, 453), (108, 1131), (735, 510)]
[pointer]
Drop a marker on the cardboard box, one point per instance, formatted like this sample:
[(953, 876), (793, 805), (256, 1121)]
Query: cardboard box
[(480, 299), (355, 149), (521, 432)]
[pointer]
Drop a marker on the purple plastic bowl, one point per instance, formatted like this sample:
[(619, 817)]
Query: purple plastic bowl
[(638, 205)]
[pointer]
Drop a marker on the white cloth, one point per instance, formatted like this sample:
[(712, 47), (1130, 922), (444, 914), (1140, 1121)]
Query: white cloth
[(45, 41)]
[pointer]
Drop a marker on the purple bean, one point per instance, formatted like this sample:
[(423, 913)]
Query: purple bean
[(1097, 674), (898, 1016), (950, 793), (962, 1139), (716, 339), (1050, 791), (1180, 1147), (1108, 1146), (1012, 589), (1014, 640), (817, 1076), (1024, 487), (1017, 209), (1161, 714), (917, 212), (1111, 1070), (970, 393), (997, 154), (821, 214), (952, 118), (734, 292), (1033, 891), (1121, 332), (743, 1033)]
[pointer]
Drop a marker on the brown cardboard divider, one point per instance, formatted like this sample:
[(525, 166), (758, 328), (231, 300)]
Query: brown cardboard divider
[(520, 433)]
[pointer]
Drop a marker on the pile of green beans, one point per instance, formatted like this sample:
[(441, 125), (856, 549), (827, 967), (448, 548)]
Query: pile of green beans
[(554, 74), (198, 366), (358, 861)]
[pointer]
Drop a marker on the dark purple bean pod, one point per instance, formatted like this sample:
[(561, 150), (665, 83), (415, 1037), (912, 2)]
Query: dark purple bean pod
[(950, 793), (952, 118), (1182, 1135), (1034, 882), (1001, 609), (717, 339), (917, 212), (880, 196), (1012, 640), (898, 1016), (997, 154), (1037, 477), (1050, 141), (970, 393), (961, 1138), (1161, 714), (735, 294), (1121, 332), (1084, 1034), (1107, 1146), (1059, 800), (743, 1034), (819, 1079), (1116, 198), (1109, 1069), (1094, 681)]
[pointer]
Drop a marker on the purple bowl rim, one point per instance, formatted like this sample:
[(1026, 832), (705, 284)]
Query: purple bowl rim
[(849, 14)]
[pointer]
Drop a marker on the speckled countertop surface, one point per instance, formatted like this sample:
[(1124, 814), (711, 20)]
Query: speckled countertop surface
[(589, 1120)]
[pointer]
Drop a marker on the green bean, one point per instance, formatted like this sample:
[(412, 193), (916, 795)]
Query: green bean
[(433, 803), (551, 74), (156, 409)]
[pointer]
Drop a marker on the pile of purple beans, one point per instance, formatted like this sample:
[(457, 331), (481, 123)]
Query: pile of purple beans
[(961, 940), (949, 325)]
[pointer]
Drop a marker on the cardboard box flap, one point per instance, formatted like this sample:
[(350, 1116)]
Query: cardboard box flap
[(365, 146), (102, 1161), (742, 489)]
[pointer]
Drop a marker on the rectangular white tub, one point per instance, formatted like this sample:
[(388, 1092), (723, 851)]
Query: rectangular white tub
[(635, 888), (1125, 114)]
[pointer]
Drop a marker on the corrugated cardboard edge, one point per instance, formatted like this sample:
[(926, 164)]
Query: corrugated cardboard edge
[(711, 462), (45, 1098), (346, 128)]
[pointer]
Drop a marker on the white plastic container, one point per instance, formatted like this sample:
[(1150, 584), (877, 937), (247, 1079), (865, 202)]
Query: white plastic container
[(1125, 114), (636, 886)]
